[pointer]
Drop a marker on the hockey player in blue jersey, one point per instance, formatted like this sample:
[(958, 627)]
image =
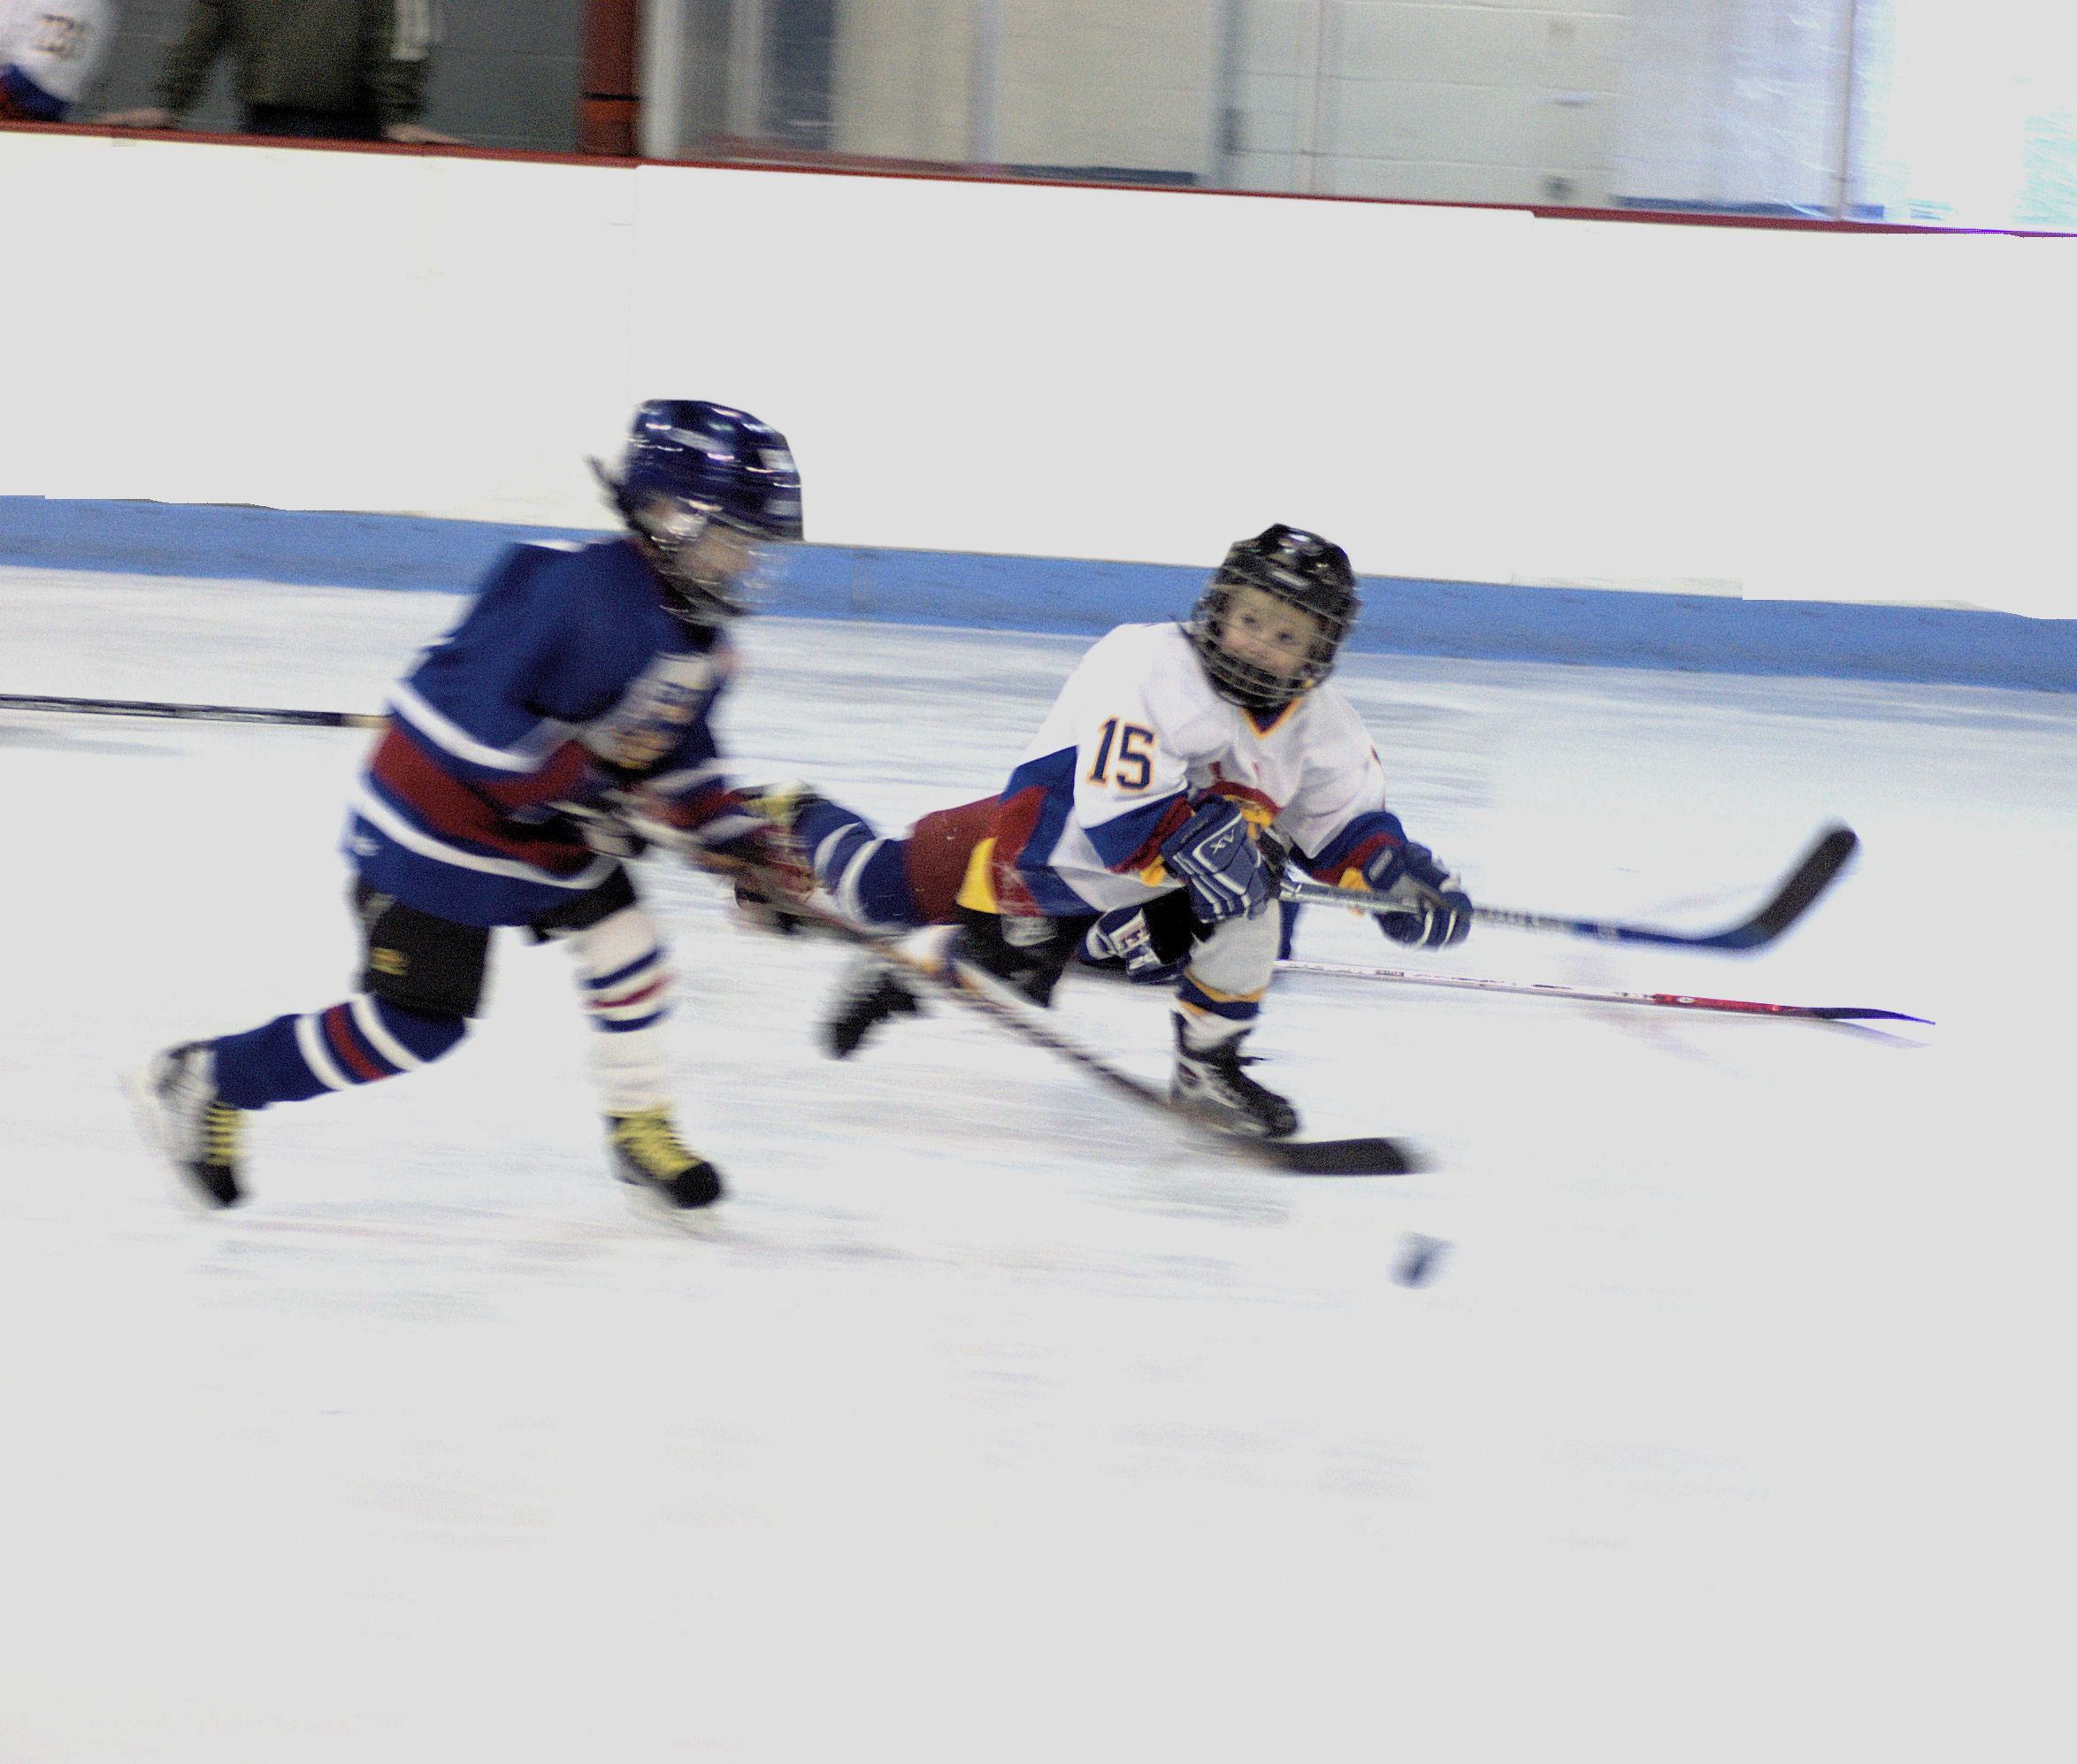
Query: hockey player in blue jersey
[(1136, 827), (578, 682)]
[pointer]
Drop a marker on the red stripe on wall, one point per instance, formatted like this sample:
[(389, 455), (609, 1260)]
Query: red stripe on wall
[(763, 159)]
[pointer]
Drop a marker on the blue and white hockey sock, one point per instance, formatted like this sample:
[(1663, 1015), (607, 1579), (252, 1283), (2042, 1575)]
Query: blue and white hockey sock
[(621, 972), (356, 1042), (865, 874)]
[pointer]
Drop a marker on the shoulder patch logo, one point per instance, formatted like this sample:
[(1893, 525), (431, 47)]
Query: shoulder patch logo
[(653, 713)]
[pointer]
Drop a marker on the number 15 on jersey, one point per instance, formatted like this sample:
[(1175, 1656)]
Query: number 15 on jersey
[(1124, 756)]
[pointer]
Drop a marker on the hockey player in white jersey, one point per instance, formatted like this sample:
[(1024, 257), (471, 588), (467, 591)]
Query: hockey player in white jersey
[(1132, 821), (48, 50)]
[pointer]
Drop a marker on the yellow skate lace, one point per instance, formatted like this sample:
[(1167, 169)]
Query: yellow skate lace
[(222, 1128), (651, 1141)]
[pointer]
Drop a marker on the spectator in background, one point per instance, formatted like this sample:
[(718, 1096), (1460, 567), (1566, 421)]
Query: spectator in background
[(320, 70), (48, 50)]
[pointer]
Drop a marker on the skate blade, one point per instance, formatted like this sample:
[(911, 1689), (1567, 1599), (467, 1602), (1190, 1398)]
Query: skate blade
[(146, 1110), (1226, 1122), (687, 1222)]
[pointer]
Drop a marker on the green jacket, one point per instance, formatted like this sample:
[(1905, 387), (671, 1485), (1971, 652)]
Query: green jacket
[(316, 55)]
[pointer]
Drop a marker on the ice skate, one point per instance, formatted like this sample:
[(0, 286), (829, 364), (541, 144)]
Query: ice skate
[(666, 1173), (870, 993), (173, 1095), (1210, 1083)]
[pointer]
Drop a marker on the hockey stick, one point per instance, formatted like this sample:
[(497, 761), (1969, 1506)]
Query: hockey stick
[(196, 713), (981, 991), (1810, 877), (1827, 1013)]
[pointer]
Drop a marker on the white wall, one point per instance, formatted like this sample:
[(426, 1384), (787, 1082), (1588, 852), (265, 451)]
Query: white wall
[(902, 80), (1470, 101), (1102, 373), (1739, 102), (1083, 82), (1493, 100)]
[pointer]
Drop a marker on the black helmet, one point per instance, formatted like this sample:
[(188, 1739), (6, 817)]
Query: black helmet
[(1303, 570)]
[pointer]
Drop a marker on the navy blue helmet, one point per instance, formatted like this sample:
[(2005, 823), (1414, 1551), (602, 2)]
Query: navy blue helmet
[(1299, 569), (707, 490)]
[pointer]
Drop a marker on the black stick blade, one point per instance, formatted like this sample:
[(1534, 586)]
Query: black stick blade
[(1809, 880), (1812, 876), (1339, 1157)]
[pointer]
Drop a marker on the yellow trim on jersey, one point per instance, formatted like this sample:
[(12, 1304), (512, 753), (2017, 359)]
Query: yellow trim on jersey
[(977, 891), (1155, 875), (1218, 997), (1263, 731)]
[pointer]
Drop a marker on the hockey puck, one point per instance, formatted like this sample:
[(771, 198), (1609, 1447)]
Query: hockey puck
[(1419, 1258)]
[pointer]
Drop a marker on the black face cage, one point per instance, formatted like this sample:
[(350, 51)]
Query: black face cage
[(1243, 683)]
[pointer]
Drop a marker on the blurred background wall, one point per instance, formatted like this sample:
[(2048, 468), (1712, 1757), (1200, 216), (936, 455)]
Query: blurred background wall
[(505, 76), (1458, 102), (1472, 395), (1925, 111)]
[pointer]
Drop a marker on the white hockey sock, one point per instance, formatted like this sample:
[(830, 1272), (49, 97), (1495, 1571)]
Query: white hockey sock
[(1204, 1033), (621, 972), (1220, 993)]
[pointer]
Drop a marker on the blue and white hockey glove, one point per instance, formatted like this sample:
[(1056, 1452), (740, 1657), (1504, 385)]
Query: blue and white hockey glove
[(1428, 910), (1214, 856)]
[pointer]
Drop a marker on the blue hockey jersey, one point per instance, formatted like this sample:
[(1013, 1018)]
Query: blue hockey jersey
[(565, 678)]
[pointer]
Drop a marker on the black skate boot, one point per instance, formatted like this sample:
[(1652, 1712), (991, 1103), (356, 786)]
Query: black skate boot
[(1210, 1083), (870, 993), (174, 1097), (648, 1155)]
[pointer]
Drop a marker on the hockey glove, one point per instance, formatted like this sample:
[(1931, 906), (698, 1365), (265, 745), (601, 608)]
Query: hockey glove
[(1427, 909), (1124, 935), (714, 818), (604, 818), (1214, 855)]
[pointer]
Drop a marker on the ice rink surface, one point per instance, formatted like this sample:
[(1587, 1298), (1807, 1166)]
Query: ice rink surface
[(992, 1421)]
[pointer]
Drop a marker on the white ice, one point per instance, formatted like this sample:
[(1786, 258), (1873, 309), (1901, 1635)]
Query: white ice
[(993, 1421)]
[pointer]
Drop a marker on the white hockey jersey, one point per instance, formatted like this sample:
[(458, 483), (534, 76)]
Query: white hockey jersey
[(50, 50), (1135, 738)]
